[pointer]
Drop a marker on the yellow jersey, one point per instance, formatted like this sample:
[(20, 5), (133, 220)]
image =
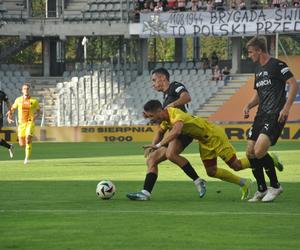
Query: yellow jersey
[(194, 126), (26, 108)]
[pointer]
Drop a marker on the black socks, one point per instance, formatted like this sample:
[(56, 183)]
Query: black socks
[(190, 171), (268, 164), (258, 173), (150, 181)]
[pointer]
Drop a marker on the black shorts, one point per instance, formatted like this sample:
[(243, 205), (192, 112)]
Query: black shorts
[(1, 122), (268, 125), (185, 140)]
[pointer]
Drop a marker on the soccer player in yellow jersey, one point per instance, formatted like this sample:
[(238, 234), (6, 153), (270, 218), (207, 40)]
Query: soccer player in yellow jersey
[(28, 110), (212, 139)]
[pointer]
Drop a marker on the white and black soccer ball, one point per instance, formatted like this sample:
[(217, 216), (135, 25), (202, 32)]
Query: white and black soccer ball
[(105, 190)]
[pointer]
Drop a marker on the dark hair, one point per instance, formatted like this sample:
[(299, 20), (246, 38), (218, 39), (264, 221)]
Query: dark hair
[(258, 42), (152, 105), (26, 84), (162, 71)]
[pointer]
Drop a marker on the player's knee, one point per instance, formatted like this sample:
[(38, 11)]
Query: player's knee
[(236, 167), (259, 153), (152, 160), (171, 156), (21, 144)]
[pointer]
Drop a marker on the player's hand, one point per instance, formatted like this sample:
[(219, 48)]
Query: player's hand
[(246, 112), (283, 115), (147, 152), (10, 121), (150, 146), (9, 117)]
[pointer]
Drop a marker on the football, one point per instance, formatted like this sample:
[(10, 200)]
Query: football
[(105, 189)]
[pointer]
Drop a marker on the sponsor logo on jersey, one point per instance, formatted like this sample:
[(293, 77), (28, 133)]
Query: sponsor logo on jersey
[(262, 73), (263, 83)]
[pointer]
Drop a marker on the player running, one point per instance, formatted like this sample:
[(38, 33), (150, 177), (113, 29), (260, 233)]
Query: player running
[(175, 95), (271, 77), (212, 139), (3, 143), (28, 110)]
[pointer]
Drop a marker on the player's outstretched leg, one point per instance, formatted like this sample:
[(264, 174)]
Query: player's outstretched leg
[(224, 175)]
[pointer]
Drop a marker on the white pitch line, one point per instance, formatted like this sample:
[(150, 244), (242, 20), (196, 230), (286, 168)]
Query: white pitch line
[(162, 212)]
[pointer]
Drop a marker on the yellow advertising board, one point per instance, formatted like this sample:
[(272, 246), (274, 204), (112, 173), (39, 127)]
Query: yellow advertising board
[(235, 132)]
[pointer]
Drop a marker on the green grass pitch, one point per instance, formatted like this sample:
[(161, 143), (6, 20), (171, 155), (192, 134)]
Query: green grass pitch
[(51, 203)]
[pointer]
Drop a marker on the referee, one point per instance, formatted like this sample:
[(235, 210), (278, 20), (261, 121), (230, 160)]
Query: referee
[(3, 143), (271, 78)]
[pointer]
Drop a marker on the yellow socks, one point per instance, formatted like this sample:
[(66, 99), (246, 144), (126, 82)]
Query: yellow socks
[(28, 150), (225, 175)]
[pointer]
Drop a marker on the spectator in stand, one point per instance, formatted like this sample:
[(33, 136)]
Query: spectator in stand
[(296, 3), (171, 5), (217, 76), (233, 5), (181, 5), (193, 5), (214, 60), (219, 5), (146, 7), (202, 5), (209, 6), (254, 4), (242, 5), (204, 62), (159, 7), (276, 3), (140, 4), (226, 74), (284, 4)]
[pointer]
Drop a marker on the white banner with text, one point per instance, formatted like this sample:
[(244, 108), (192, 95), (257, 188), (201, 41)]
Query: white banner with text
[(218, 23)]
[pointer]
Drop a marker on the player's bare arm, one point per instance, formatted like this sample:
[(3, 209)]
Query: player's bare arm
[(158, 136), (184, 98), (156, 139), (173, 134), (251, 104), (37, 114), (9, 115), (284, 113)]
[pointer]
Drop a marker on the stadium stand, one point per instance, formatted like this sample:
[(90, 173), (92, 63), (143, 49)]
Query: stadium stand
[(13, 11), (96, 10), (85, 100), (238, 100)]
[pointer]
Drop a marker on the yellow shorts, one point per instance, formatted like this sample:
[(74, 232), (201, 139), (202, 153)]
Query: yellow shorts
[(26, 129), (218, 145)]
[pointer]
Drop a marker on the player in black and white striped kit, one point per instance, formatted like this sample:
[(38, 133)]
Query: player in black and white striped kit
[(271, 78), (3, 143)]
